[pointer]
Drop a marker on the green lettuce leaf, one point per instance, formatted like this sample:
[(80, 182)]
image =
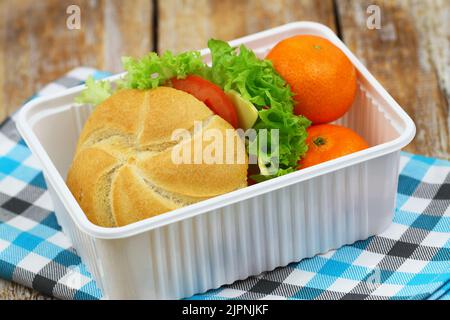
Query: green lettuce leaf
[(148, 72), (152, 70), (281, 172), (95, 93), (255, 79), (258, 82)]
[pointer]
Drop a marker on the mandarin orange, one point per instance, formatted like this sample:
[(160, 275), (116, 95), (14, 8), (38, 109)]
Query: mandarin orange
[(320, 75), (328, 141)]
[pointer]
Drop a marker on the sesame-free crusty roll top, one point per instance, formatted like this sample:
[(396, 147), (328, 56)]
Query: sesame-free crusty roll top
[(123, 170)]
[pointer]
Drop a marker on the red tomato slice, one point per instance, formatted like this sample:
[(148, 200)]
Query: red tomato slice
[(210, 94)]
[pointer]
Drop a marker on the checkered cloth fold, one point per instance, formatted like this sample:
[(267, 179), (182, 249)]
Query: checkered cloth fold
[(410, 260)]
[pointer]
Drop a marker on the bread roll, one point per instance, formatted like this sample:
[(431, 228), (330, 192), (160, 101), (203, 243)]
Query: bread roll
[(123, 172)]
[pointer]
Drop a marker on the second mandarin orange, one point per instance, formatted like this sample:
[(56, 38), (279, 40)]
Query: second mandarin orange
[(320, 75), (329, 141)]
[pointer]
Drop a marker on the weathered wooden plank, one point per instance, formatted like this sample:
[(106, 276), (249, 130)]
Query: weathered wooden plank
[(37, 47), (410, 56), (188, 24), (127, 30)]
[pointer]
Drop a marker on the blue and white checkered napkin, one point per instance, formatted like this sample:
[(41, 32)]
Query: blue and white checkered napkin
[(410, 260)]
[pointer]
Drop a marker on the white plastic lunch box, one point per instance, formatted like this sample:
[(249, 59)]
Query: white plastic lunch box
[(242, 233)]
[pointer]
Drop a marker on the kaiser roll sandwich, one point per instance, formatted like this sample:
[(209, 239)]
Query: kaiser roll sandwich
[(123, 170)]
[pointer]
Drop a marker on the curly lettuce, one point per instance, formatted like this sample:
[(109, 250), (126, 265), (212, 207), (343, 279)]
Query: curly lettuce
[(95, 93), (153, 71), (258, 82), (255, 79), (148, 72)]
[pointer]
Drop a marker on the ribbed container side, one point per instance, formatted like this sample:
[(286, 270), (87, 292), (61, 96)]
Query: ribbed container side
[(84, 243), (368, 118), (246, 238)]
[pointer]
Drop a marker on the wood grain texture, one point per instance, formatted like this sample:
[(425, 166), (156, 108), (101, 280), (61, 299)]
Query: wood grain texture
[(188, 24), (37, 47), (410, 56)]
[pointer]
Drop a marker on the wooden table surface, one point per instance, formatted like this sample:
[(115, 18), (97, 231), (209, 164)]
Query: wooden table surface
[(409, 55)]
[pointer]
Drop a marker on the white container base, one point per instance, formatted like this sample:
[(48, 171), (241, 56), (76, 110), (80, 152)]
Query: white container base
[(243, 233)]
